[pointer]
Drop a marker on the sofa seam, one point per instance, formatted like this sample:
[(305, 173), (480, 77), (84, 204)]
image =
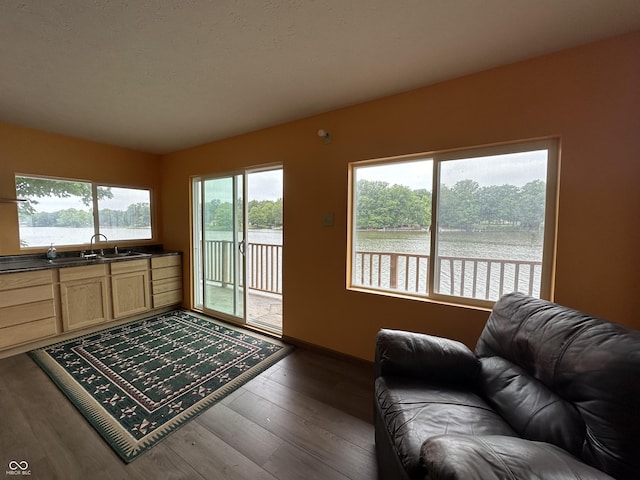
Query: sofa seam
[(498, 457)]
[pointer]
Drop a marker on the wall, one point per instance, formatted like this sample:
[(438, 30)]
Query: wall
[(28, 151), (589, 96)]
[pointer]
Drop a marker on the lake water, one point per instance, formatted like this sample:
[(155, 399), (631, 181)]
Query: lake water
[(521, 246), (502, 245), (45, 236)]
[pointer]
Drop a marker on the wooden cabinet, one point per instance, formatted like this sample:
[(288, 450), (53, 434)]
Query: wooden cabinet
[(166, 280), (27, 308), (84, 296), (42, 304), (130, 288)]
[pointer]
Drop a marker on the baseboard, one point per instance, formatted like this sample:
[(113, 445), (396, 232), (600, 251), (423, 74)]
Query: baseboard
[(328, 352)]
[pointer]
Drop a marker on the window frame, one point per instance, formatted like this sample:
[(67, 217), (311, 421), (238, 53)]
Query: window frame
[(547, 283), (95, 211)]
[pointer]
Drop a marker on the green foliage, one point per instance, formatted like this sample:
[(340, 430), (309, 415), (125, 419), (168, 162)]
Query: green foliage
[(31, 188), (465, 206), (137, 215), (261, 214), (381, 206), (265, 213)]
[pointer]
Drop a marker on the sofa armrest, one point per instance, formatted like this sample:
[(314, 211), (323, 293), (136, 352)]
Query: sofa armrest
[(494, 457), (416, 355)]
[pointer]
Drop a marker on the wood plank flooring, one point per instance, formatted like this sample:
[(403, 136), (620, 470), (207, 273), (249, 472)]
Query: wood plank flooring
[(307, 417)]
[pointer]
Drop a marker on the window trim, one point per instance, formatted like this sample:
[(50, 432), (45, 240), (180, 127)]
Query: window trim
[(95, 213), (547, 283)]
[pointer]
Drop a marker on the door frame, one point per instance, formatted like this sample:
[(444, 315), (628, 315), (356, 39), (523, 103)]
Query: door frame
[(198, 223)]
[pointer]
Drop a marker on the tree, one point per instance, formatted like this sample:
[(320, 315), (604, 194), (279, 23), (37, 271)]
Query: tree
[(223, 217), (532, 204), (459, 205), (498, 204), (31, 188), (265, 213)]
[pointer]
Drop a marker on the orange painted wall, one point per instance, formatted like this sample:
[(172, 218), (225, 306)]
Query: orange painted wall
[(589, 96), (27, 151)]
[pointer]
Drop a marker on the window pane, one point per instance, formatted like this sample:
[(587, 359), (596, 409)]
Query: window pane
[(124, 213), (491, 214), (56, 211), (392, 217)]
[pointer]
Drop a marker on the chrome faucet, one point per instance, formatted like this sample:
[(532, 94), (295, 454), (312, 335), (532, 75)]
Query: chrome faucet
[(91, 242)]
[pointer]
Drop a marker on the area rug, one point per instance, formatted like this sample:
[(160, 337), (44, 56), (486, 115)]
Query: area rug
[(139, 382)]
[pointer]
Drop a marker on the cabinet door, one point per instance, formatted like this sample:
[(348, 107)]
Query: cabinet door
[(84, 302), (130, 292)]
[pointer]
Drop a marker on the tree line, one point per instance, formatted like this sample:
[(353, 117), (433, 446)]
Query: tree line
[(464, 206), (261, 214), (137, 215)]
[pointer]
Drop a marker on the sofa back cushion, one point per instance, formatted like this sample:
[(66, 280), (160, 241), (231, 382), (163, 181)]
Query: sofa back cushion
[(530, 407), (589, 362)]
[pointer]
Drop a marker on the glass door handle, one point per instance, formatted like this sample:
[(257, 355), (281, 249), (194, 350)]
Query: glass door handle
[(241, 247)]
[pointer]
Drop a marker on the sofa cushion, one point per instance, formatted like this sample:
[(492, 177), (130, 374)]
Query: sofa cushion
[(458, 457), (530, 407), (414, 410), (589, 362)]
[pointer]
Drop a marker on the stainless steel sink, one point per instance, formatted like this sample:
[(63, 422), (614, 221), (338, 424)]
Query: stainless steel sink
[(123, 255), (96, 258)]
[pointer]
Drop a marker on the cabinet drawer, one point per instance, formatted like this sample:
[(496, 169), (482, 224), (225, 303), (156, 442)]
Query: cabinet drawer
[(27, 332), (169, 298), (9, 298), (27, 312), (80, 273), (168, 272), (166, 261), (166, 285), (24, 279), (128, 266)]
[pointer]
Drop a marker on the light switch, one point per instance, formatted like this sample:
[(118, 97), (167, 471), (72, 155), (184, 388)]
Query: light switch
[(328, 219)]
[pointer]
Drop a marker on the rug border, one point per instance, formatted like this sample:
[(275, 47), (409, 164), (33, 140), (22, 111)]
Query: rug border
[(124, 444)]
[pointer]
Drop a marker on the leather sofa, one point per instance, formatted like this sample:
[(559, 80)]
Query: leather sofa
[(549, 393)]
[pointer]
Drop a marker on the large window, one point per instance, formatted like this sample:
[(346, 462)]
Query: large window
[(69, 212), (464, 226)]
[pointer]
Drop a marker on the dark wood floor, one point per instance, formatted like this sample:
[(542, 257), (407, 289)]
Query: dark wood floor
[(307, 417)]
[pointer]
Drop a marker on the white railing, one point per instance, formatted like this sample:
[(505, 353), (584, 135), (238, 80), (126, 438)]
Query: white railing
[(482, 278), (264, 260)]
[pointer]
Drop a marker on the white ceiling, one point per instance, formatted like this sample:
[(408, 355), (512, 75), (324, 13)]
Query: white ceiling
[(163, 75)]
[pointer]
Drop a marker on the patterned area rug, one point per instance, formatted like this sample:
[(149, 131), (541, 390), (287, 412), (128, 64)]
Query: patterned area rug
[(139, 382)]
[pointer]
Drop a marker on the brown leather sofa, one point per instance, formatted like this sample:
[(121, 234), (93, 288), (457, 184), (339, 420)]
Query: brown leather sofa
[(550, 393)]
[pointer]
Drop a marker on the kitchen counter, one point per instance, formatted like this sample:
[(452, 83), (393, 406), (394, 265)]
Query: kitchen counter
[(33, 262)]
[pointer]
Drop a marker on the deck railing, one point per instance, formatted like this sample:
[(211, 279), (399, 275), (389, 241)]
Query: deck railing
[(482, 278), (265, 261)]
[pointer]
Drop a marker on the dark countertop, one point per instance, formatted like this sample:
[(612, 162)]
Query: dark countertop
[(33, 262)]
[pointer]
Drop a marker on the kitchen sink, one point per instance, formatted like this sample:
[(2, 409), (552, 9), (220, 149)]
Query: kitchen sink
[(123, 254), (97, 258)]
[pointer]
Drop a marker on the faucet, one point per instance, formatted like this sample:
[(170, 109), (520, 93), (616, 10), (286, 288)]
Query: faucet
[(91, 242)]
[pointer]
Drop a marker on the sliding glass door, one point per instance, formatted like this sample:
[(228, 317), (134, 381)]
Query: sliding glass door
[(219, 245), (237, 247)]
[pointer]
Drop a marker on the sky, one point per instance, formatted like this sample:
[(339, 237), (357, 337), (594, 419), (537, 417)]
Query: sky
[(509, 169), (262, 185)]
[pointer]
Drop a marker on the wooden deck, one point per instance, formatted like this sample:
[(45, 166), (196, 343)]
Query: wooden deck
[(264, 310)]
